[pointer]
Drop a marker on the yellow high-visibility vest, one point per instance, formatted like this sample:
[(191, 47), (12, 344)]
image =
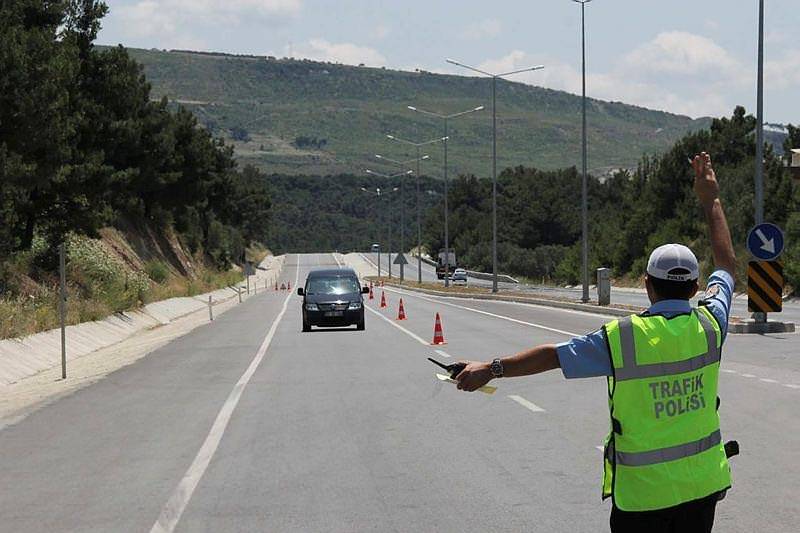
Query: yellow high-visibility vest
[(665, 446)]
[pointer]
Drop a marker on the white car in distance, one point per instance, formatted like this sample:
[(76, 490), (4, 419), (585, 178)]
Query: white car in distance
[(459, 276)]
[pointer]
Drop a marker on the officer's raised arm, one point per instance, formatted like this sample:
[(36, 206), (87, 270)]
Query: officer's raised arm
[(706, 187)]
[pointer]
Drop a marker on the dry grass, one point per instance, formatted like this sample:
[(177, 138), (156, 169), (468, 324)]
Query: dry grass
[(99, 284)]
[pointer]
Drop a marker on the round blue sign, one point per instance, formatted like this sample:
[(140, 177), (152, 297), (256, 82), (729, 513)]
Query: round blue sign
[(765, 241)]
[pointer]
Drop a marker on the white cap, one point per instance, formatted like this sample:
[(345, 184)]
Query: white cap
[(667, 258)]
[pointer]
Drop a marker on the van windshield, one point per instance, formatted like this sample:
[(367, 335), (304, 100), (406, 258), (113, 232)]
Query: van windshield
[(332, 286)]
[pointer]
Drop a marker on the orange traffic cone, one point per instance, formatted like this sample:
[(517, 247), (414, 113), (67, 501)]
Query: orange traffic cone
[(383, 299), (438, 335), (371, 296), (401, 312)]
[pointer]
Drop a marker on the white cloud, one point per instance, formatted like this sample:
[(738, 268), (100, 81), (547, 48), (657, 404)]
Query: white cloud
[(171, 20), (675, 71), (784, 72), (347, 53), (381, 31), (682, 53), (483, 29)]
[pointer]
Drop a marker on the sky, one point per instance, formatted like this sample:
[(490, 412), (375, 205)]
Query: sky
[(692, 57)]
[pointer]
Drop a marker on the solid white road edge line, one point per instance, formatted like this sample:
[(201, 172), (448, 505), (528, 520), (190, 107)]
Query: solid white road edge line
[(173, 509), (398, 326), (487, 313), (526, 404)]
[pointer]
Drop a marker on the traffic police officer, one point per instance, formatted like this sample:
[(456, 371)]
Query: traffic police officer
[(665, 466)]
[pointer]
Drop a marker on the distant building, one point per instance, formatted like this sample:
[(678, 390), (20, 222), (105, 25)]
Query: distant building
[(795, 164)]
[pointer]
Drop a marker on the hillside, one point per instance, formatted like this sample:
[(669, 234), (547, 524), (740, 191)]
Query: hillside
[(263, 105)]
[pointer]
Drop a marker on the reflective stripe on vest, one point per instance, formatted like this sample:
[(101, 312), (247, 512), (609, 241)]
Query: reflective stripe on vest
[(632, 370), (672, 453)]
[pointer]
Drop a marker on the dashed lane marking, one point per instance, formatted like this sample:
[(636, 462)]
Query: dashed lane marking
[(526, 404), (748, 375), (442, 353), (173, 509), (768, 380)]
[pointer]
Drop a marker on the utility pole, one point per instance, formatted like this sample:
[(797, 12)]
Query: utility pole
[(62, 306)]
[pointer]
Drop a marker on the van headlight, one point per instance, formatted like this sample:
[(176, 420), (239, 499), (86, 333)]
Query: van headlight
[(354, 306), (312, 307)]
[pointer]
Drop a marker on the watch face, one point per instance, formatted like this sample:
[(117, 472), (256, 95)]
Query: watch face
[(497, 368)]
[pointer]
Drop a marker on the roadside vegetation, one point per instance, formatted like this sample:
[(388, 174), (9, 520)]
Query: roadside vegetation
[(630, 213), (84, 147)]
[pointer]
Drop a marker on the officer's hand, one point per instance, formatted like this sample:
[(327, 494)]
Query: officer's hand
[(474, 376), (706, 186)]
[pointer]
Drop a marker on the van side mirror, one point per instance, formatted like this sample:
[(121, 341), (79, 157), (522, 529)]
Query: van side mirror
[(300, 291), (364, 290)]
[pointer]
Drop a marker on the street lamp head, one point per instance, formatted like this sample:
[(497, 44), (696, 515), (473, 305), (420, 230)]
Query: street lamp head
[(379, 156), (390, 136), (425, 157), (411, 107), (411, 171), (479, 108)]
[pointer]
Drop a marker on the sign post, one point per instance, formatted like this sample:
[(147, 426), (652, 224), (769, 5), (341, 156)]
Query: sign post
[(400, 259), (764, 281)]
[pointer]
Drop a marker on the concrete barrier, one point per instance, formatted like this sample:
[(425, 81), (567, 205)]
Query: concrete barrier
[(26, 356)]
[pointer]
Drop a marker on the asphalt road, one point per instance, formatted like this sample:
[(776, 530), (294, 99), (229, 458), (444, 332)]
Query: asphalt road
[(234, 428)]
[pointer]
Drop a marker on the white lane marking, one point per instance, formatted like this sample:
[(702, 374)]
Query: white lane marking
[(792, 386), (728, 371), (338, 263), (398, 326), (487, 313), (526, 404), (748, 375), (768, 380), (601, 448), (442, 353), (173, 509)]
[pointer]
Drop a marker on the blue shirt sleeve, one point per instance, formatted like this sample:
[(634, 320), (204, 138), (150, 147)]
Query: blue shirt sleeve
[(585, 357), (719, 292)]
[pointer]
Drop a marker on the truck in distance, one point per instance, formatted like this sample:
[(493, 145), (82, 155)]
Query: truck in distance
[(445, 260)]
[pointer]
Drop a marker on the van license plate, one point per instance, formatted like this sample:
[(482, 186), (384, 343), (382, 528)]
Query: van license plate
[(334, 313)]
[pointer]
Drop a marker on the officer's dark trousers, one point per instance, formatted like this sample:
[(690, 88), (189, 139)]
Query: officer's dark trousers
[(691, 517)]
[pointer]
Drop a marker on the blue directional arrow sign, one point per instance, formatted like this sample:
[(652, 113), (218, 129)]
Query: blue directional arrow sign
[(765, 241)]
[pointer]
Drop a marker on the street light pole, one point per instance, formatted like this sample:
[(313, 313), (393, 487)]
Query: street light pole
[(494, 152), (417, 145), (494, 183), (377, 193), (403, 165), (389, 214), (759, 193), (445, 138), (584, 184)]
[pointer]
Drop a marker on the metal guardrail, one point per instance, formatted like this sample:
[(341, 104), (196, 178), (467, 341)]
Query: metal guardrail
[(487, 276)]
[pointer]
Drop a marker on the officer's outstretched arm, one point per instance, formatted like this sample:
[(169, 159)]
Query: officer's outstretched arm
[(534, 361), (706, 187)]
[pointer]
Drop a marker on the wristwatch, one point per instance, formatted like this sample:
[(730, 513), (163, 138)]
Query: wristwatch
[(496, 368)]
